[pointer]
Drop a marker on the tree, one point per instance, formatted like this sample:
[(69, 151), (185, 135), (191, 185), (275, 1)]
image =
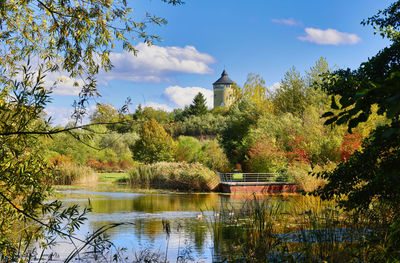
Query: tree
[(154, 145), (148, 113), (74, 38), (198, 106), (292, 95), (372, 173), (315, 78), (104, 113), (254, 89), (243, 115), (188, 149)]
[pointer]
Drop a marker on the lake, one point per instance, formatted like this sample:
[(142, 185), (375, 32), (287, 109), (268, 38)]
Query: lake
[(189, 216)]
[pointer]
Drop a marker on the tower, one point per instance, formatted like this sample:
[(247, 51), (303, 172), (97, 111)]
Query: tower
[(223, 92)]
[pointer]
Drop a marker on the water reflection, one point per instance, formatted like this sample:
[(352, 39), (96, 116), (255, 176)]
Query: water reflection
[(188, 213)]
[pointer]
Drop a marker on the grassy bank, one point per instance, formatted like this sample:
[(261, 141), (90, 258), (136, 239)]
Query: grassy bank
[(176, 176)]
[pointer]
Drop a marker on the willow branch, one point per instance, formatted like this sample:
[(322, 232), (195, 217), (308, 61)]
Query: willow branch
[(55, 131)]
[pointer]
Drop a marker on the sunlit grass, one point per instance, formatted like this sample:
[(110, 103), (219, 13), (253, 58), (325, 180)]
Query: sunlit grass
[(113, 177)]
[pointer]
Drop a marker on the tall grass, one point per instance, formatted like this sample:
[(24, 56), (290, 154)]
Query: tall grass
[(302, 175), (70, 173), (266, 231), (176, 176)]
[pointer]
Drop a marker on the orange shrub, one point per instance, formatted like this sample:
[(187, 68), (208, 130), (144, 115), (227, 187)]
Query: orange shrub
[(351, 142), (266, 157)]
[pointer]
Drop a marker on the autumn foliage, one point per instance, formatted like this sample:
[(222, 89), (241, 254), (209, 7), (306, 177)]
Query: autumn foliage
[(351, 142), (297, 151), (265, 156)]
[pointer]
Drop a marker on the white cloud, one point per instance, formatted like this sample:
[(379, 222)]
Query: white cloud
[(274, 87), (329, 37), (58, 82), (59, 115), (158, 64), (184, 96), (157, 106), (62, 84), (288, 22), (62, 115)]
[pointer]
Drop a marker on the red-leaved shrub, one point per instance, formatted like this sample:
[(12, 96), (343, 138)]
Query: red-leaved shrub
[(351, 142)]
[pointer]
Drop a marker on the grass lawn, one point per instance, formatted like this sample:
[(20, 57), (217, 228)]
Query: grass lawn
[(113, 177)]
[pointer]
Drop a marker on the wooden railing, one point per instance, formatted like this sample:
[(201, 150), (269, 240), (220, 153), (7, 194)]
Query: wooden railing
[(254, 177)]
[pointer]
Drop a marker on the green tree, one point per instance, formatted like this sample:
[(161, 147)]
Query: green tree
[(371, 174), (314, 79), (154, 144), (292, 95), (198, 106), (148, 113), (104, 113), (204, 125), (254, 89), (112, 118), (243, 116), (188, 149)]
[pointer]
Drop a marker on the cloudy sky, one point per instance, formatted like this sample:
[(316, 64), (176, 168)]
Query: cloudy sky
[(205, 36)]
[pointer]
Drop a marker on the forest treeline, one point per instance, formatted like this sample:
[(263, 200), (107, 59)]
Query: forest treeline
[(274, 131)]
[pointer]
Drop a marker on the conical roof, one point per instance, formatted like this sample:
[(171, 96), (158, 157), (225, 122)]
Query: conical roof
[(224, 79)]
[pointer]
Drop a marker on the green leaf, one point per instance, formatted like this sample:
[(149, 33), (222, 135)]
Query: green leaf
[(327, 114), (342, 120), (330, 121), (333, 103)]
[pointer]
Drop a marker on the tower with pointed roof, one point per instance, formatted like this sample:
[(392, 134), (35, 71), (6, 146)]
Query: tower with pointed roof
[(223, 92)]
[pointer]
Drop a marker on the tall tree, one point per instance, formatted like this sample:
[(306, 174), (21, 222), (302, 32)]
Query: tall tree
[(104, 113), (198, 106), (292, 95), (254, 89), (242, 116)]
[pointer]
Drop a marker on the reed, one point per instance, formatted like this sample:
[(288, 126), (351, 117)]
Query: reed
[(176, 176), (309, 231), (70, 173)]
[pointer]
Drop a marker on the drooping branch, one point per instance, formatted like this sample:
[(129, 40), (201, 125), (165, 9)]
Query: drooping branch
[(55, 131)]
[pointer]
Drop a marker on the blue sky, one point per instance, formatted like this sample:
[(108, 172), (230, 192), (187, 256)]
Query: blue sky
[(204, 36)]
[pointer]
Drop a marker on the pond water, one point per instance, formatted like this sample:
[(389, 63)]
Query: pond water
[(187, 213)]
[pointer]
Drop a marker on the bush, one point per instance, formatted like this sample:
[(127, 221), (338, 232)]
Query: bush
[(214, 157), (110, 166), (154, 144), (266, 157), (351, 142), (208, 124), (177, 176), (301, 172), (70, 173), (188, 149)]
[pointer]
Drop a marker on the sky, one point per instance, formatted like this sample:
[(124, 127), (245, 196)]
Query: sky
[(204, 37)]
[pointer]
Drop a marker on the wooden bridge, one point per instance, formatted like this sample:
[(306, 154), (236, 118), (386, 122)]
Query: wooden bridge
[(256, 182)]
